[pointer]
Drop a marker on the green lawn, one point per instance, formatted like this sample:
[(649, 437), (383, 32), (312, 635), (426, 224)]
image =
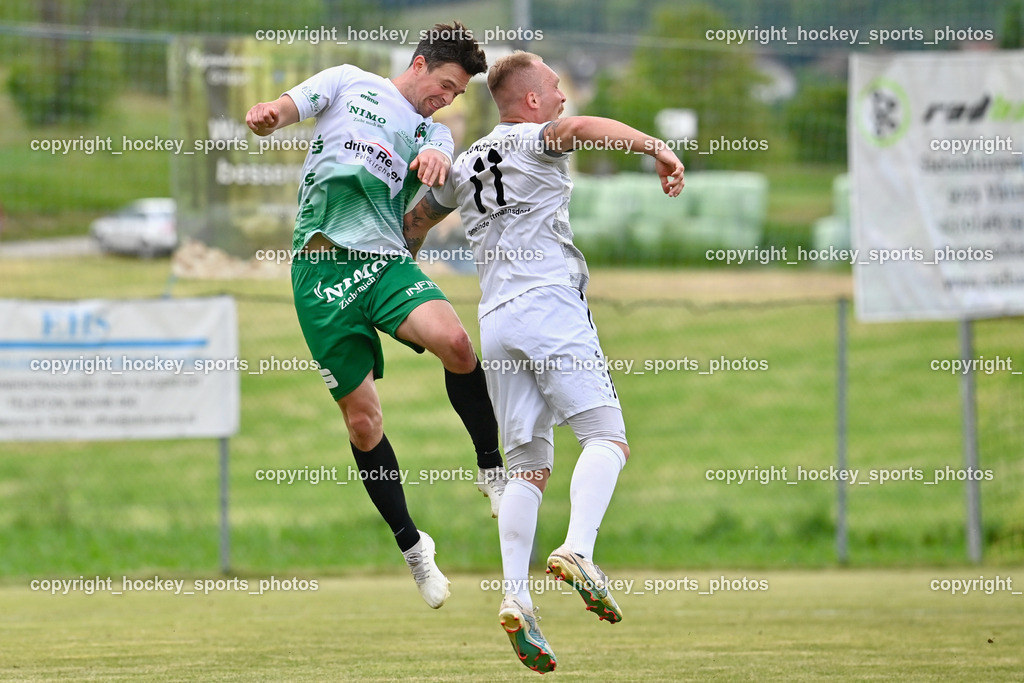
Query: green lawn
[(47, 195), (92, 507), (799, 626)]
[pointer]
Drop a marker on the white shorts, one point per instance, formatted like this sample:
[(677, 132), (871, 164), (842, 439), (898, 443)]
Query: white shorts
[(544, 365)]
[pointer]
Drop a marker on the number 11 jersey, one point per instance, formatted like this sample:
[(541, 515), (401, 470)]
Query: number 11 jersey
[(513, 197)]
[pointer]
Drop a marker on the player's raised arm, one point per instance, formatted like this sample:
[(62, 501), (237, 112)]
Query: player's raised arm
[(266, 117), (417, 223), (572, 132)]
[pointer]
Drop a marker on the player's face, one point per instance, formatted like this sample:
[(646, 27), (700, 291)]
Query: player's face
[(550, 96), (438, 88)]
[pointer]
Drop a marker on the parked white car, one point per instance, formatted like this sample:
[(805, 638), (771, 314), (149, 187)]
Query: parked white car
[(146, 227)]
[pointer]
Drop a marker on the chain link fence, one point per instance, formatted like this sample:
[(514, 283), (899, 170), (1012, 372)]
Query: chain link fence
[(728, 375), (731, 407)]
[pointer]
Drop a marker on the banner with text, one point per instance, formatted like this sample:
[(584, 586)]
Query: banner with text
[(937, 200), (97, 369)]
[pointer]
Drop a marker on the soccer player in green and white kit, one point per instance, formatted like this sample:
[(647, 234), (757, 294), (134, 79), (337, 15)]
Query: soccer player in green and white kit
[(374, 146)]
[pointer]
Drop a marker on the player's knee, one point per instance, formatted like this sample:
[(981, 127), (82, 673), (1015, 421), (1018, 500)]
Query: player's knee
[(536, 478), (365, 428), (624, 448), (365, 437), (459, 356)]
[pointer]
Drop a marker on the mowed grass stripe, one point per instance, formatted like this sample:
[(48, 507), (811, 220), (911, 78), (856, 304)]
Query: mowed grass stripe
[(807, 626)]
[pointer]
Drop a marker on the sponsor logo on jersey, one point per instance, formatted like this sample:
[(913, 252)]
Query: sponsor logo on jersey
[(420, 286), (378, 160), (366, 115), (369, 96), (312, 97), (418, 137), (509, 142)]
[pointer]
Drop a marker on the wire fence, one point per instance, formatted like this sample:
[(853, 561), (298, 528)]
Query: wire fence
[(731, 412), (728, 375)]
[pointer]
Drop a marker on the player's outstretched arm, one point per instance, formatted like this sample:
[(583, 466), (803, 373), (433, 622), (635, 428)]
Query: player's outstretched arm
[(417, 223), (266, 117), (572, 132)]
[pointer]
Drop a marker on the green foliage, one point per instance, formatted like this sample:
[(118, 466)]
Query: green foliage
[(57, 83), (1010, 37), (143, 60), (670, 73), (146, 70), (816, 123), (592, 16)]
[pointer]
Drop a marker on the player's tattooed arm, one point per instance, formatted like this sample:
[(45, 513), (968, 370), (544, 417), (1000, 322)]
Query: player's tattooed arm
[(418, 222), (553, 143)]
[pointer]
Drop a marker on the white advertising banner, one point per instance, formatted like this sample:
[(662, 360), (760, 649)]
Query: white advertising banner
[(99, 369), (937, 201)]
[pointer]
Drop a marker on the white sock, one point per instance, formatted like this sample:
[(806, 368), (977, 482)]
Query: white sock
[(517, 525), (590, 491)]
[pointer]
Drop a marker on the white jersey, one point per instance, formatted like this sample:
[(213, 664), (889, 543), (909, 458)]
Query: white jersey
[(513, 197), (356, 184)]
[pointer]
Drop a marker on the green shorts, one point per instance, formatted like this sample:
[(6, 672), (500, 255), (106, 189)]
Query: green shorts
[(342, 301)]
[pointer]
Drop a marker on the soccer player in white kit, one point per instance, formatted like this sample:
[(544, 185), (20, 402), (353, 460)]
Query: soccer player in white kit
[(543, 360)]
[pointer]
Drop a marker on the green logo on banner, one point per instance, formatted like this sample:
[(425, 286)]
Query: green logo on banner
[(883, 112)]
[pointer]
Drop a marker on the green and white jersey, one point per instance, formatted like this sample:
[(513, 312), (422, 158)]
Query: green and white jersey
[(356, 183)]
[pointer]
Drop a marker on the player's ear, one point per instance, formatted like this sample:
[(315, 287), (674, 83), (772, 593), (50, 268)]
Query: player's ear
[(419, 64), (532, 101)]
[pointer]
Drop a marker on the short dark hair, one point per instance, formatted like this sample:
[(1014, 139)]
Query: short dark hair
[(453, 42)]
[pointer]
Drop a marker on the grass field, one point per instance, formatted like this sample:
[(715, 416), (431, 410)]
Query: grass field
[(807, 626), (82, 507)]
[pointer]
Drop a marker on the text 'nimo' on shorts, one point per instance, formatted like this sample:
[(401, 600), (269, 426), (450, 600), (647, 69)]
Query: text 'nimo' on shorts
[(342, 301)]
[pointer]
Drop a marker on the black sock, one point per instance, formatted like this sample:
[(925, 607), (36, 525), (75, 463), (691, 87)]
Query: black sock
[(378, 469), (468, 394)]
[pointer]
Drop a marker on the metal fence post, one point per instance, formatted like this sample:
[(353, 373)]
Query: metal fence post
[(841, 529), (970, 427), (225, 531)]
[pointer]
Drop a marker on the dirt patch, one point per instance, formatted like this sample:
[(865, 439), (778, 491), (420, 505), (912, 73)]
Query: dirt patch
[(195, 260), (770, 284)]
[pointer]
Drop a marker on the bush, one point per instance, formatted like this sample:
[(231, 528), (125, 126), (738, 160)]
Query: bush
[(816, 123), (65, 82)]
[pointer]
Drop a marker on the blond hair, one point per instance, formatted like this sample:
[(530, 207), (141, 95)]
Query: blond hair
[(512, 75)]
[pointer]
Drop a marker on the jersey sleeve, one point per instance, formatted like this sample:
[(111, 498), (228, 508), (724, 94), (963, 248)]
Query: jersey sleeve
[(443, 197), (535, 146), (440, 138), (315, 94)]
